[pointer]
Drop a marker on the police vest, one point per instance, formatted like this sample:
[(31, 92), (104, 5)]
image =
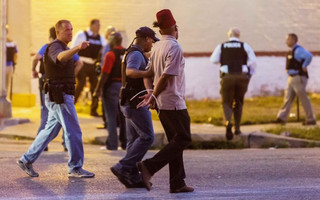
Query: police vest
[(93, 50), (58, 71), (41, 68), (234, 56), (135, 83), (294, 64), (11, 50)]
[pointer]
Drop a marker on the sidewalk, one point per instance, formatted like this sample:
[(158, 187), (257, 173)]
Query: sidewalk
[(25, 123)]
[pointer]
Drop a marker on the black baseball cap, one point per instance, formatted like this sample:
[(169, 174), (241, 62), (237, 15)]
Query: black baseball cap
[(146, 32)]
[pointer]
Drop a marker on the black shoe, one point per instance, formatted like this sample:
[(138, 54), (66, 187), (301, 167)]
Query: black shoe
[(123, 179), (138, 185), (279, 121), (237, 132), (182, 189), (229, 134), (309, 123), (46, 149)]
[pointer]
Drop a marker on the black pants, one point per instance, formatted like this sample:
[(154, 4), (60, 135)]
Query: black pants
[(233, 89), (87, 70), (176, 124)]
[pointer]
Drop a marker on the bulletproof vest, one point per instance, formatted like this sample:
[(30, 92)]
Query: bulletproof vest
[(41, 69), (11, 49), (58, 71), (135, 83), (93, 50), (116, 70), (294, 64), (233, 55)]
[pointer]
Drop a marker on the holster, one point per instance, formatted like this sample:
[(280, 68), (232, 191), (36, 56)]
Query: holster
[(127, 93), (56, 90)]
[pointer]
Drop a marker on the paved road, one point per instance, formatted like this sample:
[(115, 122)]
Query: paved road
[(215, 174)]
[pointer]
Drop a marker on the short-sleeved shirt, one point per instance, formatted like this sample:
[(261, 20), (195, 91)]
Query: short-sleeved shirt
[(13, 46), (109, 61), (43, 49), (167, 57), (135, 60)]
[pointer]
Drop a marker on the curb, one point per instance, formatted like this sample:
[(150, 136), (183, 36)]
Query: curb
[(255, 139), (12, 121)]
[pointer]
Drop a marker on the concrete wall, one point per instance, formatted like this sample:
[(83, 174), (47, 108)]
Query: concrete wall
[(202, 24)]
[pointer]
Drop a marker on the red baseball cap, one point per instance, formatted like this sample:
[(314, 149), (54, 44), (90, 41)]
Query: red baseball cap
[(165, 19)]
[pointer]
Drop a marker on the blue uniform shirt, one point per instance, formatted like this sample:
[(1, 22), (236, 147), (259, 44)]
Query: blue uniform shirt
[(300, 54)]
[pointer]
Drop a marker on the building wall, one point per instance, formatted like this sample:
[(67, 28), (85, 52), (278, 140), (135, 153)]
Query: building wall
[(202, 24)]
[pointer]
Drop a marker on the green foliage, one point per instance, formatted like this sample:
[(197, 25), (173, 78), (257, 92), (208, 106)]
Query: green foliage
[(312, 132)]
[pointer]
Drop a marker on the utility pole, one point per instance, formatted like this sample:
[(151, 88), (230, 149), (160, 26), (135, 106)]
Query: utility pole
[(5, 105)]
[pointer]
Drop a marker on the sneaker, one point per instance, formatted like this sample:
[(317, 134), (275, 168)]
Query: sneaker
[(80, 173), (27, 167), (122, 178)]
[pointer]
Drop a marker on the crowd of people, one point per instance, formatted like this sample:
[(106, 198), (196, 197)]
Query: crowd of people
[(130, 81)]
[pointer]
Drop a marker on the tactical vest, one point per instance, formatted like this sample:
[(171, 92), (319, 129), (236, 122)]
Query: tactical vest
[(116, 70), (292, 63), (135, 83), (58, 71), (41, 68), (93, 50), (11, 49), (234, 56)]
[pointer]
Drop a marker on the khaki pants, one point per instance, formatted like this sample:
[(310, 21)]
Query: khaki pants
[(296, 86), (9, 73), (233, 89)]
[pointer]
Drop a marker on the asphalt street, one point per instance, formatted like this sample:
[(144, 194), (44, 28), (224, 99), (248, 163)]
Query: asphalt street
[(215, 174)]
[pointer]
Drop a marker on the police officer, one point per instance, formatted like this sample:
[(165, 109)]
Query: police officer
[(11, 60), (298, 60), (41, 75), (89, 57), (237, 64), (109, 85), (60, 80), (139, 127)]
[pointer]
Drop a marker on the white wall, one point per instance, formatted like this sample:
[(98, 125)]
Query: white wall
[(202, 23)]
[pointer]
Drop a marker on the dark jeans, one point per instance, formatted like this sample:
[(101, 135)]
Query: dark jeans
[(87, 70), (176, 124), (110, 98), (140, 136)]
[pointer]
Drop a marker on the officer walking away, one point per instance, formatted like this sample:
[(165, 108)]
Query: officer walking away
[(41, 75), (167, 69), (12, 57), (109, 85), (89, 57), (237, 64), (298, 59), (59, 89), (139, 127)]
